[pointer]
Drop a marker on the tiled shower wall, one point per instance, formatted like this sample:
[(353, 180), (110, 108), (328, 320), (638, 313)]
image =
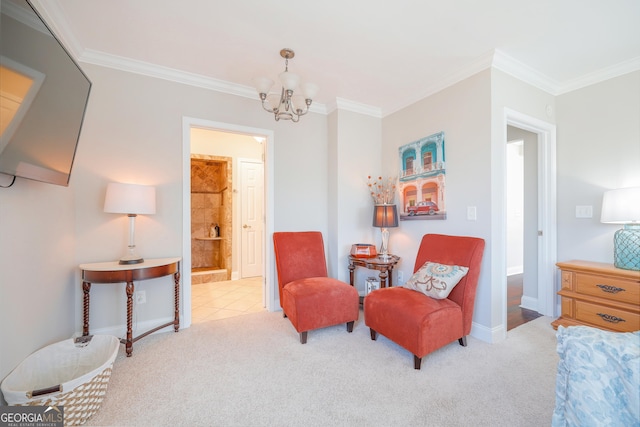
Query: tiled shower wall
[(211, 184)]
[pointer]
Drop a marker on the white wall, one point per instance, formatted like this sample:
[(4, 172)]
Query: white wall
[(598, 150), (463, 112), (355, 142), (515, 207), (37, 260)]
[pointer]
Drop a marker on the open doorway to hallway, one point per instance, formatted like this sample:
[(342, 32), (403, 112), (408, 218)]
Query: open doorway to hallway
[(227, 218), (521, 226)]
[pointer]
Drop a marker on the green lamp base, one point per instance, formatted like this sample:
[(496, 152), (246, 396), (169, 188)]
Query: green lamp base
[(626, 247)]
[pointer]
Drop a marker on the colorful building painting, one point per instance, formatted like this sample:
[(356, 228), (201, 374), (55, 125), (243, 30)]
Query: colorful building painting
[(422, 179)]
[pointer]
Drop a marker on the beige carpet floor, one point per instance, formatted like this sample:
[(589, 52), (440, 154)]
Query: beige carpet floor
[(252, 371)]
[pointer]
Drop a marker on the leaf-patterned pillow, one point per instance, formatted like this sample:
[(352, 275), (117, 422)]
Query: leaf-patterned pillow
[(436, 280)]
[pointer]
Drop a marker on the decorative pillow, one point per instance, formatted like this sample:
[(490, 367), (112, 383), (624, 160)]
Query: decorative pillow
[(598, 377), (436, 280)]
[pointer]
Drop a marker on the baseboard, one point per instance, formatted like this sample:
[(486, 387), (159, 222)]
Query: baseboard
[(490, 335), (235, 275), (529, 303)]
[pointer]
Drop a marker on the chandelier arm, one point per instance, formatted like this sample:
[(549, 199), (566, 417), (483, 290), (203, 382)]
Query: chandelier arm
[(301, 112), (269, 110), (286, 99), (263, 98)]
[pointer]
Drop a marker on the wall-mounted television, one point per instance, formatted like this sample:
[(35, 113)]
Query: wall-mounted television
[(43, 96)]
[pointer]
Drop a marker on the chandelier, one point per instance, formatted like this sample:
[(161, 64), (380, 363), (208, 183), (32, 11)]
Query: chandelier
[(287, 106)]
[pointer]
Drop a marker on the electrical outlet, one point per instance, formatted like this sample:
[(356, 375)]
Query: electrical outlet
[(400, 277), (141, 297)]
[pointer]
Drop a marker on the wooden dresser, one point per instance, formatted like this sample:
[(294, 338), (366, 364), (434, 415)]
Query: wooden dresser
[(600, 295)]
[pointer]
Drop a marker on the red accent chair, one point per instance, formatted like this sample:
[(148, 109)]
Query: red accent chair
[(309, 298), (422, 324)]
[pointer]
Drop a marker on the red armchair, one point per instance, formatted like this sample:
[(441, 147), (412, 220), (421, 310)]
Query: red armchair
[(422, 324), (309, 298)]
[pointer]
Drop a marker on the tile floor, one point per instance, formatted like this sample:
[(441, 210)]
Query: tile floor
[(219, 300)]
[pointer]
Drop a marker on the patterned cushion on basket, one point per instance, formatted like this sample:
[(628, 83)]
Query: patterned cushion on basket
[(598, 377), (436, 280)]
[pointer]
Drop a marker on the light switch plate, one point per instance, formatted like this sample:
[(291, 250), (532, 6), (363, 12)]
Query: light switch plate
[(584, 211), (472, 213)]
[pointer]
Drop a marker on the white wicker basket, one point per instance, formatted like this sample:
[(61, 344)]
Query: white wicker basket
[(69, 374)]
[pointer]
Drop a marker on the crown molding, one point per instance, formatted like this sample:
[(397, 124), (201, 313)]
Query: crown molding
[(616, 70), (53, 15), (355, 107), (102, 59), (479, 64), (495, 59), (135, 66), (521, 71)]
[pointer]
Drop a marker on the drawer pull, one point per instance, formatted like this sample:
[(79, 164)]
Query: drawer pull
[(611, 319), (610, 289)]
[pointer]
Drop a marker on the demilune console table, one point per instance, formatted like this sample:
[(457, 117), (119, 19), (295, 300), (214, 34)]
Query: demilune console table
[(113, 272)]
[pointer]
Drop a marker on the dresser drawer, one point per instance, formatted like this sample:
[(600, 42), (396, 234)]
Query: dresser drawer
[(606, 317), (610, 288)]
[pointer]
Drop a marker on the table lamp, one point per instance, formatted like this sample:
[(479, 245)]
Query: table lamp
[(385, 216), (622, 206), (132, 200)]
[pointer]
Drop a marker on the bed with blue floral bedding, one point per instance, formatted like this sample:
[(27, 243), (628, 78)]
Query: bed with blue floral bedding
[(598, 378)]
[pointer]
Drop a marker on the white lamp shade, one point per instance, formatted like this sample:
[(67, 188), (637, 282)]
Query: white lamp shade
[(273, 100), (263, 84), (298, 102), (621, 206), (289, 80), (130, 199), (310, 90)]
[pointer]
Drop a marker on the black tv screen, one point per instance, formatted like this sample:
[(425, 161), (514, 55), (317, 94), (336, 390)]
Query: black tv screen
[(43, 94)]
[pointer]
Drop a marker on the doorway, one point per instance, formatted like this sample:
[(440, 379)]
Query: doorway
[(197, 138), (541, 255), (522, 226)]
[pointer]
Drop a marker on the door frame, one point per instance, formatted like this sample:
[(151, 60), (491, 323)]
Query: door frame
[(547, 252), (268, 208)]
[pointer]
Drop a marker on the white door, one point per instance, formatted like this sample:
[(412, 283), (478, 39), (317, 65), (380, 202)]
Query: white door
[(251, 206)]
